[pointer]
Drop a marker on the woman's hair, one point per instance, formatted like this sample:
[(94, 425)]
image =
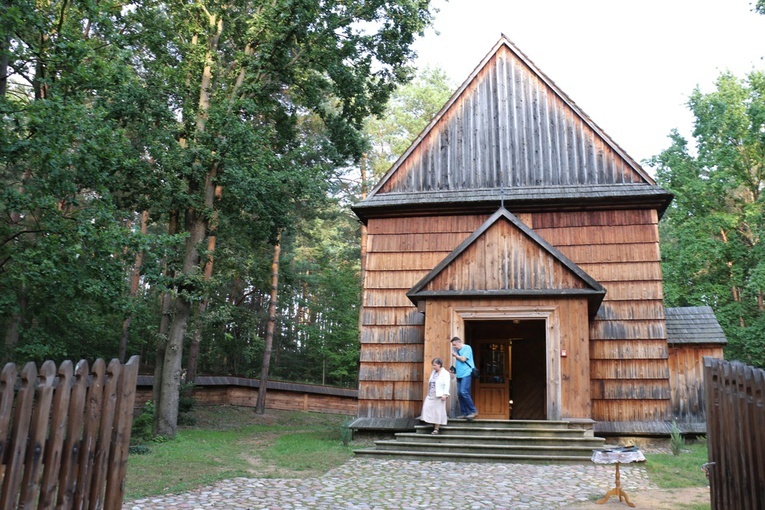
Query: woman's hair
[(438, 362)]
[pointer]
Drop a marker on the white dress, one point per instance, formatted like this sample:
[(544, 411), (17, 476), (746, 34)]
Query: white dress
[(433, 408)]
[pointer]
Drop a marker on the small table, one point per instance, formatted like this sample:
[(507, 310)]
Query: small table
[(617, 456)]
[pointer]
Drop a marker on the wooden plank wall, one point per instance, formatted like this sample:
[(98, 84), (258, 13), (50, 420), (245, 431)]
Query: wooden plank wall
[(686, 366), (504, 258), (246, 396), (400, 252), (508, 127), (628, 341)]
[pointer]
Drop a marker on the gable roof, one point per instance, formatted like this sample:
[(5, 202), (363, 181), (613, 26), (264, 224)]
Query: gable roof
[(693, 325), (509, 129), (504, 257)]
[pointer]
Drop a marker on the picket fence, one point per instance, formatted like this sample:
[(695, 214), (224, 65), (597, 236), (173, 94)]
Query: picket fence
[(735, 395), (65, 434)]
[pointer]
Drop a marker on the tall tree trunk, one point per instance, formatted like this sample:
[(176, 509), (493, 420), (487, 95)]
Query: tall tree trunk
[(196, 224), (167, 406), (167, 304), (260, 406), (191, 367), (134, 280)]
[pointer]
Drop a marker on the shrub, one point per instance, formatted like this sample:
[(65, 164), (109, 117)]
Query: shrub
[(143, 425), (676, 441)]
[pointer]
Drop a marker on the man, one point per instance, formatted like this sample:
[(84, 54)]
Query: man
[(464, 373)]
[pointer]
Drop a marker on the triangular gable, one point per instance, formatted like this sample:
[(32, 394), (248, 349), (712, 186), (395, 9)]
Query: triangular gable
[(504, 257), (509, 126)]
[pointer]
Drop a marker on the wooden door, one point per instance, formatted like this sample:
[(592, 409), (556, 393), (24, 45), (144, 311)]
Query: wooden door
[(529, 379), (491, 392)]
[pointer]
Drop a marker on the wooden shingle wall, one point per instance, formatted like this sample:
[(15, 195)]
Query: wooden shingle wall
[(400, 252), (628, 341)]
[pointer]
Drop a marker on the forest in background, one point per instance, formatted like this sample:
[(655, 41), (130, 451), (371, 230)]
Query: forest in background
[(156, 156)]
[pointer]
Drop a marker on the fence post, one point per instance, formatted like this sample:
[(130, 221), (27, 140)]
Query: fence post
[(21, 419), (120, 444), (7, 383), (52, 462), (30, 484), (67, 477)]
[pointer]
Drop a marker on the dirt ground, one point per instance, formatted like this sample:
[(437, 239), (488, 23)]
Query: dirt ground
[(658, 499)]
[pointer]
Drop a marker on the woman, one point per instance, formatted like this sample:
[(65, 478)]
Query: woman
[(434, 407)]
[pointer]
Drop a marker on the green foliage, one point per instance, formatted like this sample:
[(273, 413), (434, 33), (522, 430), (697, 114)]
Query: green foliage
[(676, 441), (346, 433), (409, 110), (186, 400), (139, 449), (107, 114), (143, 424), (712, 233)]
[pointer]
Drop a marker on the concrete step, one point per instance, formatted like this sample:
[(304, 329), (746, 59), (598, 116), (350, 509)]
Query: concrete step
[(468, 457), (457, 428), (495, 449), (450, 436), (491, 441), (512, 424)]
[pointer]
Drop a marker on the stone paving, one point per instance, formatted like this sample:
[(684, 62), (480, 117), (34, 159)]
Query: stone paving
[(393, 484)]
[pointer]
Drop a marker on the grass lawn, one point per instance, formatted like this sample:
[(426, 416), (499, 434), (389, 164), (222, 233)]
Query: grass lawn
[(227, 442), (677, 471)]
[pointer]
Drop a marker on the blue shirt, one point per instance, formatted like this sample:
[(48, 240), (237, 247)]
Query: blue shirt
[(465, 368)]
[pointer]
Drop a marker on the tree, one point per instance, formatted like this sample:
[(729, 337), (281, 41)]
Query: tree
[(260, 406), (409, 110), (712, 233), (239, 76), (210, 127), (71, 178)]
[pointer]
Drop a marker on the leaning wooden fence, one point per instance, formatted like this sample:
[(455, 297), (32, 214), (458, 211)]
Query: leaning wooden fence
[(735, 397), (64, 434)]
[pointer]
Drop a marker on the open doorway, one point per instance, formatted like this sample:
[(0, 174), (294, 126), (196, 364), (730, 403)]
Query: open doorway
[(511, 357)]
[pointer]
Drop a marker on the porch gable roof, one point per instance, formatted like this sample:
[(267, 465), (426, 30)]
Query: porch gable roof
[(504, 257)]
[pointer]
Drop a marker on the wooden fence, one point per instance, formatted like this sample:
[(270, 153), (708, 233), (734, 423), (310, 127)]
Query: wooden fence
[(735, 395), (64, 434)]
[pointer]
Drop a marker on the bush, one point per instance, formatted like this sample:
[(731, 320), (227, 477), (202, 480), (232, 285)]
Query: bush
[(346, 433), (676, 441), (143, 425), (186, 400)]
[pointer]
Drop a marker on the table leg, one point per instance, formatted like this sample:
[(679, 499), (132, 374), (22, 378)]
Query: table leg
[(617, 491)]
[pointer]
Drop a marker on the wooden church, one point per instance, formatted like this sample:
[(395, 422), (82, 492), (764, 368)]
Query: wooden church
[(514, 222)]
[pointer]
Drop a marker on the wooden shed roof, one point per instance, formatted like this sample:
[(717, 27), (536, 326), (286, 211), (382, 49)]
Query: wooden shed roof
[(516, 261), (510, 133), (693, 325)]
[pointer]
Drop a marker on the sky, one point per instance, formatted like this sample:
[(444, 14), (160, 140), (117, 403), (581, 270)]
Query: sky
[(629, 65)]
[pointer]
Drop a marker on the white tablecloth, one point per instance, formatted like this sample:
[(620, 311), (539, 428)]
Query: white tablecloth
[(612, 457)]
